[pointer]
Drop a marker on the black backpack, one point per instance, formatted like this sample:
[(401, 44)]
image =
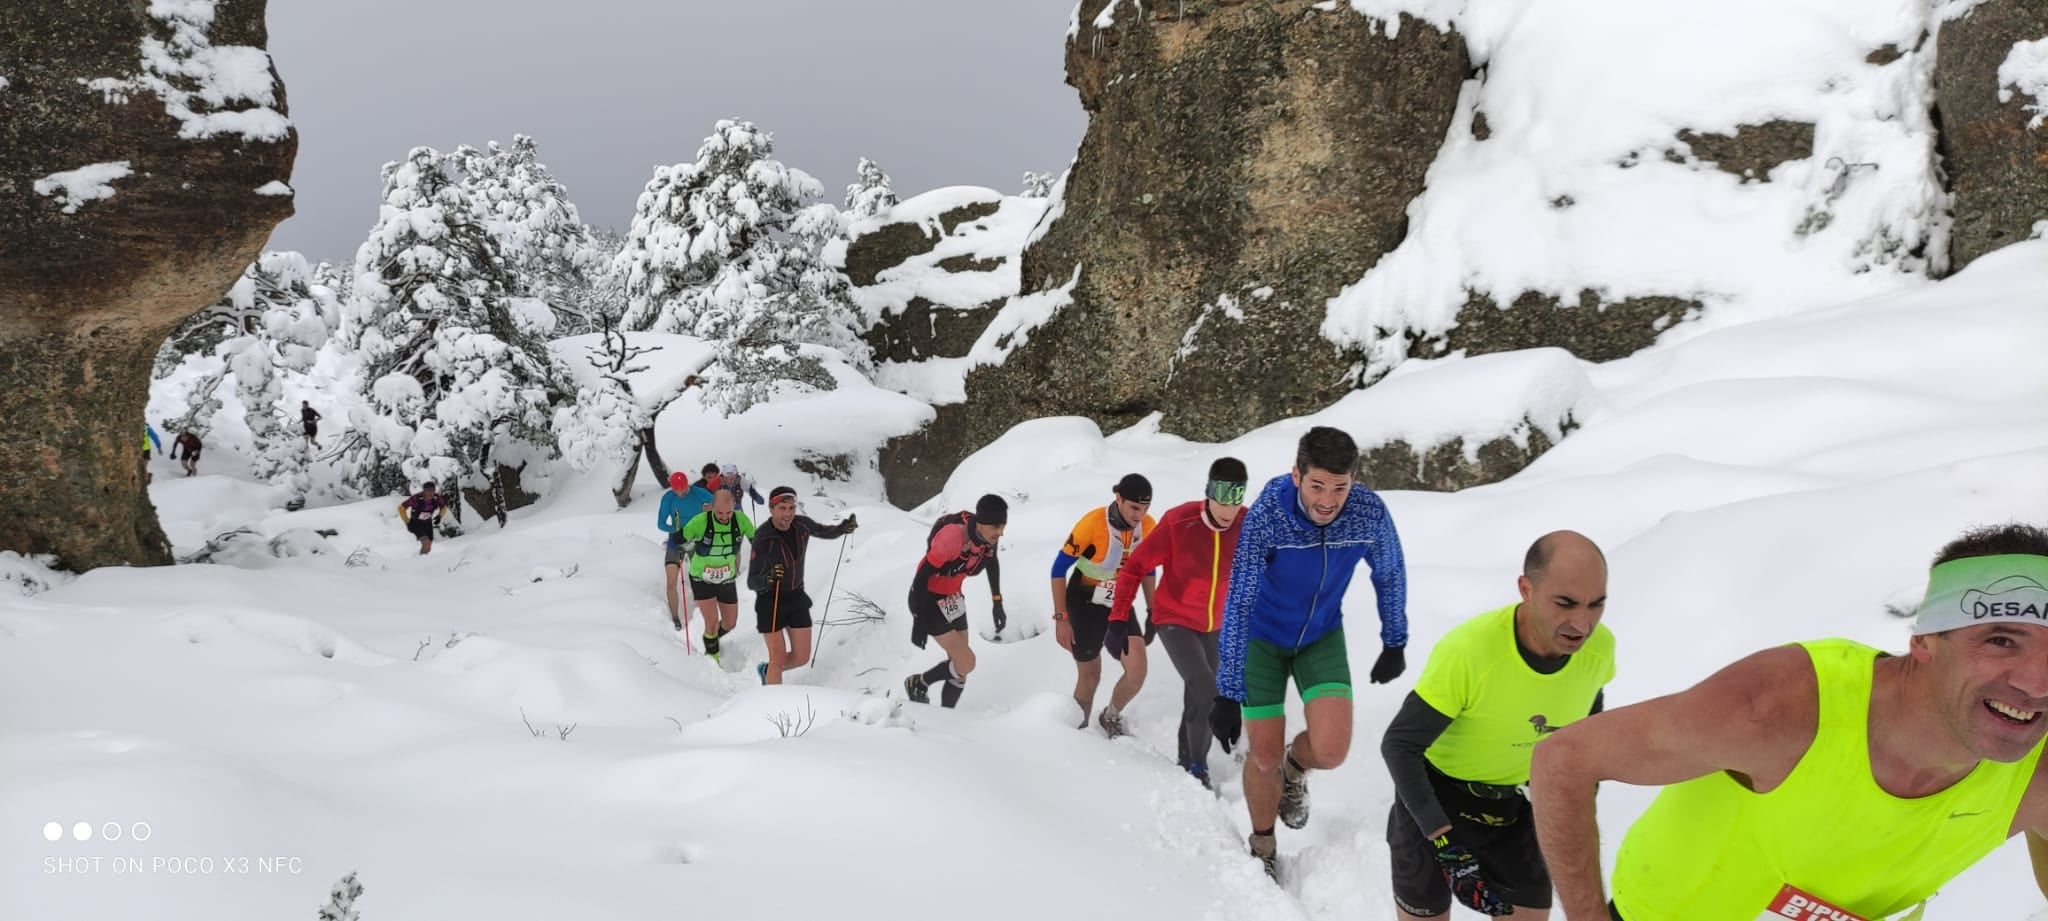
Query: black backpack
[(963, 518)]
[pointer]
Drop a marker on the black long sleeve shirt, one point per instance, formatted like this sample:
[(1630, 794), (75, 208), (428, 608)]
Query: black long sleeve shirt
[(773, 545)]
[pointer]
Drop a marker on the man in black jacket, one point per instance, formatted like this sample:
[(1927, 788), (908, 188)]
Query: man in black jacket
[(775, 572)]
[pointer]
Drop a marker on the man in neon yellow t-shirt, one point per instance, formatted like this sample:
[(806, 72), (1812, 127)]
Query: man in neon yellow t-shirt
[(1823, 779), (1459, 751)]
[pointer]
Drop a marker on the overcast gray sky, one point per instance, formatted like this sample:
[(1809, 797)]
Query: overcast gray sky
[(939, 92)]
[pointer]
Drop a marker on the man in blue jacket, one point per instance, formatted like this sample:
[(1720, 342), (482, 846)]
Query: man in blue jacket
[(1303, 538), (681, 503)]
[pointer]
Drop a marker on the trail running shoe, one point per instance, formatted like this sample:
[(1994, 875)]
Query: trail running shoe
[(1293, 794), (1111, 722), (1267, 849)]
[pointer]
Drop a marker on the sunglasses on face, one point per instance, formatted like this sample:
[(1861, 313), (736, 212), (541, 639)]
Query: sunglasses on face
[(1225, 493)]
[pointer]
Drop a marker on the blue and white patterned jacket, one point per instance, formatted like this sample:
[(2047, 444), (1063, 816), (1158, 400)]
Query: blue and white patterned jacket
[(1288, 579)]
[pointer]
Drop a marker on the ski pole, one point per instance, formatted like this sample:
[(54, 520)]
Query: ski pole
[(825, 619)]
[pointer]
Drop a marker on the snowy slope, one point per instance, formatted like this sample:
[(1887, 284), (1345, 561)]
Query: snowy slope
[(1778, 480)]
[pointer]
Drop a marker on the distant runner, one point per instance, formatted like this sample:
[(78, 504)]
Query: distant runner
[(309, 420), (960, 545), (1824, 778), (1303, 538), (681, 503), (742, 486), (420, 512), (1493, 689), (149, 442), (188, 443), (714, 540), (1083, 582), (1195, 542), (782, 609)]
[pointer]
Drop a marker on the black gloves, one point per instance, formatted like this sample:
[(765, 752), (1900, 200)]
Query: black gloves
[(776, 572), (1226, 722), (1392, 662), (851, 524), (1118, 639), (1469, 884), (1002, 619)]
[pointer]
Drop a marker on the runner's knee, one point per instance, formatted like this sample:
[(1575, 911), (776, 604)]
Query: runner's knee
[(964, 662)]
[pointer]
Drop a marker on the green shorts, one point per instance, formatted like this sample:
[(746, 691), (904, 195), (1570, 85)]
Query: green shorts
[(1320, 669)]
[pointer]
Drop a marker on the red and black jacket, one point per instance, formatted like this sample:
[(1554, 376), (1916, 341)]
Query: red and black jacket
[(954, 552)]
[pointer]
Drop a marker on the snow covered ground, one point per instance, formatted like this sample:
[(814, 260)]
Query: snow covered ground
[(507, 729)]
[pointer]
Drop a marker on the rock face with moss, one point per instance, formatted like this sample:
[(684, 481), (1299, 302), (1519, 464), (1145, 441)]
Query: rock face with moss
[(144, 155), (1994, 139), (1243, 163), (930, 271)]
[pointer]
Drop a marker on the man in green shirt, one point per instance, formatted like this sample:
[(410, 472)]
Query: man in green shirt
[(714, 540), (1459, 750), (1823, 779)]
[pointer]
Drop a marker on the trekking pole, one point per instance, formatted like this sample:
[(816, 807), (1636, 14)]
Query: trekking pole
[(825, 619)]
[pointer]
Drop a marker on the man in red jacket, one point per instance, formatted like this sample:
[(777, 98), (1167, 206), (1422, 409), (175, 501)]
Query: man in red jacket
[(1195, 541)]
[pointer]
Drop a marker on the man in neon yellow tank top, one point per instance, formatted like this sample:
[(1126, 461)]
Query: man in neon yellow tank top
[(1823, 779), (1494, 687)]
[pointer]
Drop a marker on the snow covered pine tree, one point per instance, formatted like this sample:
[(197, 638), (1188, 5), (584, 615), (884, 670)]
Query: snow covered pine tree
[(714, 252), (457, 376), (870, 193), (266, 330), (548, 251)]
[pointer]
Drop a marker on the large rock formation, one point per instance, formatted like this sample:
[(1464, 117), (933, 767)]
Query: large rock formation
[(143, 154), (1997, 161), (1243, 163), (928, 272)]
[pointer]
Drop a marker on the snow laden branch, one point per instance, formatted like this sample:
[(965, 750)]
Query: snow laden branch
[(730, 248)]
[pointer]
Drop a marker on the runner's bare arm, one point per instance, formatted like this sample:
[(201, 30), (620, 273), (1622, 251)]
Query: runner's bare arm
[(1755, 718), (2032, 821)]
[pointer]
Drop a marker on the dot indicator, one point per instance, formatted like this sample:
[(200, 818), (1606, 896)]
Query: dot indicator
[(82, 831), (53, 832)]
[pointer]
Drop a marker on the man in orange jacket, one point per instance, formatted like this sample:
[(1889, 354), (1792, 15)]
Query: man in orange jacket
[(1195, 542)]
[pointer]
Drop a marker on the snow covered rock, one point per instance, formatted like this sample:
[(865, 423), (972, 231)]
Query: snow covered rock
[(1242, 164), (1992, 132), (146, 129), (927, 272)]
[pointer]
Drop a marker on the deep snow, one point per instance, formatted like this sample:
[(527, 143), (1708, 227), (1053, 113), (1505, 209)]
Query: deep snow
[(1780, 480)]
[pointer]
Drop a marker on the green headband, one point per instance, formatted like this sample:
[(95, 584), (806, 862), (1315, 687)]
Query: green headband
[(2009, 588), (1226, 492)]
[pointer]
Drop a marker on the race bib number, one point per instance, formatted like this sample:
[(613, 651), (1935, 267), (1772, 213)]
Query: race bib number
[(954, 607), (1797, 905), (1105, 594), (718, 575)]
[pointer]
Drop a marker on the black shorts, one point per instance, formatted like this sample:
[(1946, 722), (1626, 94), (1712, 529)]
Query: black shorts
[(312, 429), (1089, 620), (422, 528), (794, 611), (931, 621), (192, 456), (1500, 832), (724, 592)]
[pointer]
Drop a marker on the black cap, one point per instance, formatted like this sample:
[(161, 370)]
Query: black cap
[(1134, 487), (992, 510), (780, 491)]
